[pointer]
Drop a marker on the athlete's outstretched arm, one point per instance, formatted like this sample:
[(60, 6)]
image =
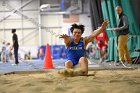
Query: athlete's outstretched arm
[(96, 32), (66, 38)]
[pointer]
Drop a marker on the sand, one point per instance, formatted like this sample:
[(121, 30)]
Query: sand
[(100, 81)]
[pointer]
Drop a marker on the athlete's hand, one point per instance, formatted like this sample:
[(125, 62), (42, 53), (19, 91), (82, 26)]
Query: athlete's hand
[(105, 23), (64, 36)]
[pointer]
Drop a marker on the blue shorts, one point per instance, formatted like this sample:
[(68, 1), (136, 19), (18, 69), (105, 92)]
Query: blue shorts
[(74, 61)]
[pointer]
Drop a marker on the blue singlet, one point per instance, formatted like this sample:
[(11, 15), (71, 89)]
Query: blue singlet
[(76, 51)]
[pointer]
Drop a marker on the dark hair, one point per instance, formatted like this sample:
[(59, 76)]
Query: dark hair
[(81, 27), (13, 30)]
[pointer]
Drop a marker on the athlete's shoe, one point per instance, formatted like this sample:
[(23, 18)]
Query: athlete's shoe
[(14, 64), (66, 72)]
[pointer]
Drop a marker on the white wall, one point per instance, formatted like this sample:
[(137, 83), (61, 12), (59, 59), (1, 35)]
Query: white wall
[(56, 27), (28, 32), (19, 20)]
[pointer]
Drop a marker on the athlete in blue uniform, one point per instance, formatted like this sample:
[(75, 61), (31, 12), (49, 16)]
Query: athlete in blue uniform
[(75, 51), (77, 44)]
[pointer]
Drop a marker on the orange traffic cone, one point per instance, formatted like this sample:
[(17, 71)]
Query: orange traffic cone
[(48, 60)]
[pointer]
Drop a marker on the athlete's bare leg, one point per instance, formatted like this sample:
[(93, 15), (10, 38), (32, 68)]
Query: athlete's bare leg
[(83, 70), (68, 71)]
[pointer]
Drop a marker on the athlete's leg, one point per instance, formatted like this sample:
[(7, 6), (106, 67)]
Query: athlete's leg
[(68, 71), (84, 64), (69, 64)]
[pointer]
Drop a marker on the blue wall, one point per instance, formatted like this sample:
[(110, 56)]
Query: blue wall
[(57, 51)]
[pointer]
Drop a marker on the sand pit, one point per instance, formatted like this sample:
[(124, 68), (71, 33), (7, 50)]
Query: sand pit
[(100, 81)]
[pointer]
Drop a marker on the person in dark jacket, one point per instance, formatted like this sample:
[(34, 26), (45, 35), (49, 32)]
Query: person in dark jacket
[(122, 31), (15, 46)]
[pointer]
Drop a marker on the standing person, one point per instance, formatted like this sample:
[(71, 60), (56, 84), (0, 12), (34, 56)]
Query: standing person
[(102, 42), (76, 53), (8, 50), (15, 46), (3, 52), (122, 31)]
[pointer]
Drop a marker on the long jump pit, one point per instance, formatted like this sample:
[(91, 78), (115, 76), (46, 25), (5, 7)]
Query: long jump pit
[(98, 80)]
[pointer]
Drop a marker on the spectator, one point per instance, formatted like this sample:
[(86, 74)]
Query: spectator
[(102, 42), (15, 46), (122, 31), (8, 49), (3, 52)]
